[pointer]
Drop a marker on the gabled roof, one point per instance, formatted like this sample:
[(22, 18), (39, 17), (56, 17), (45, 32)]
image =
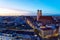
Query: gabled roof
[(46, 17), (46, 28)]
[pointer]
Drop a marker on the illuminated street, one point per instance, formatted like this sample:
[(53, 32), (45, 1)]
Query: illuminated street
[(29, 19), (29, 27)]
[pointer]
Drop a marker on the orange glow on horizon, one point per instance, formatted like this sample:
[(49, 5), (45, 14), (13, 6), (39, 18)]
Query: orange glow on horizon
[(11, 12)]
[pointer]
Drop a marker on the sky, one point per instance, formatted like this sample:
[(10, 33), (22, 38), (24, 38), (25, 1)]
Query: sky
[(47, 6)]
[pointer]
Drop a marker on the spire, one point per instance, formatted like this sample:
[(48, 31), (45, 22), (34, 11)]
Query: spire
[(39, 13)]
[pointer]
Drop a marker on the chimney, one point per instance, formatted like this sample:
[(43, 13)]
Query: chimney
[(39, 13)]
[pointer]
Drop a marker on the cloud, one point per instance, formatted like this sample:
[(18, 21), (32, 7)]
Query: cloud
[(12, 12)]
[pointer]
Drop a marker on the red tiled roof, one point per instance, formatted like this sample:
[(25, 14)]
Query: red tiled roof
[(46, 17)]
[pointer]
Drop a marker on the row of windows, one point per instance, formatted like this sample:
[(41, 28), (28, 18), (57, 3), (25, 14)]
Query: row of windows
[(49, 32)]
